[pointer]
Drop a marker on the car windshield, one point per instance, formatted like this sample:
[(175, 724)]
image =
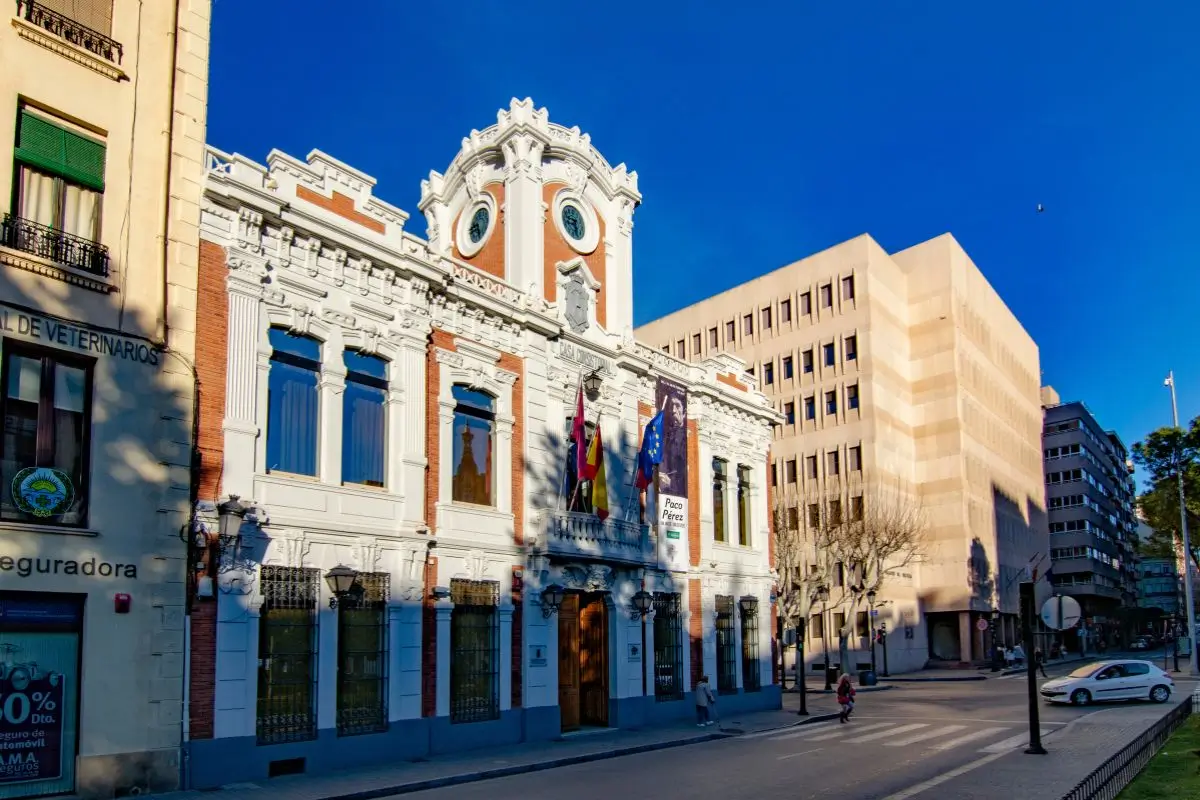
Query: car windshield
[(1086, 671)]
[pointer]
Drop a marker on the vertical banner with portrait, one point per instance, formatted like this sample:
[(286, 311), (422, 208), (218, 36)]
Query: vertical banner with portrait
[(673, 551)]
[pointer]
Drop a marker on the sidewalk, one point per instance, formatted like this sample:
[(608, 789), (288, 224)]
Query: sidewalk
[(498, 762)]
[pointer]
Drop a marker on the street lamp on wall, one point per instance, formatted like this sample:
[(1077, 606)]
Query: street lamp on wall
[(642, 602), (552, 599), (340, 580), (749, 605), (592, 382), (230, 516)]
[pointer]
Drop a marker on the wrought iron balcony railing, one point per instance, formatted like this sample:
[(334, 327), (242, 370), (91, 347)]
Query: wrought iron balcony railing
[(57, 246), (69, 30)]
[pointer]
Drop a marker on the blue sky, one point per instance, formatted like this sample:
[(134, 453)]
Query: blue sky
[(762, 137)]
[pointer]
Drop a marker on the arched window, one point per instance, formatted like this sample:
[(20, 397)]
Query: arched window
[(364, 421), (293, 403), (474, 432)]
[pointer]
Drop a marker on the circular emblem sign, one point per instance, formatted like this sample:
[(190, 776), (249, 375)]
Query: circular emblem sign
[(42, 491)]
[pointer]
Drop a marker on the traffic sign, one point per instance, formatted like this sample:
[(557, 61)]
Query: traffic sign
[(981, 624), (1060, 612)]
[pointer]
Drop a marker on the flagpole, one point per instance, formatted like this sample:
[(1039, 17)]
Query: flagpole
[(570, 438)]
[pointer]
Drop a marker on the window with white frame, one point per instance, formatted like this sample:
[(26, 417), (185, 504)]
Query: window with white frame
[(474, 433), (293, 403), (364, 419)]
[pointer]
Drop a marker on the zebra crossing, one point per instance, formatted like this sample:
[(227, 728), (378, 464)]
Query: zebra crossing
[(933, 736)]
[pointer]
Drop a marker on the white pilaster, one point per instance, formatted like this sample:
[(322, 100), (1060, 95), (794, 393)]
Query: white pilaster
[(241, 430), (331, 389), (443, 610), (523, 214)]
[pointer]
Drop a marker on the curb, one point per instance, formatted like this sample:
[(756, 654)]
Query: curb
[(875, 688), (520, 769)]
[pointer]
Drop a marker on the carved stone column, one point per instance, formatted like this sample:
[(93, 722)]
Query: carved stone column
[(246, 335), (522, 210)]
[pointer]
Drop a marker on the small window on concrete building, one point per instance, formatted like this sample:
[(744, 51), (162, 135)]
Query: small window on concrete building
[(848, 287), (827, 295), (806, 304), (785, 310), (850, 348)]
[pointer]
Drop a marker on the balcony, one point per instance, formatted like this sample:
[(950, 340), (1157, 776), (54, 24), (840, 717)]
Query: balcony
[(54, 245), (70, 31), (577, 535)]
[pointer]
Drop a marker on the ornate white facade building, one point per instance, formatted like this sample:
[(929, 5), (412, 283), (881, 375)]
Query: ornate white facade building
[(403, 408)]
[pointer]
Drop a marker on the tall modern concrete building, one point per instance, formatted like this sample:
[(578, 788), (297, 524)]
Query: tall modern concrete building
[(1090, 497), (904, 371)]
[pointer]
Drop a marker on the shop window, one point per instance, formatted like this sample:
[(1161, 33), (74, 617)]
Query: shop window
[(668, 648), (743, 499), (363, 656), (293, 403), (720, 477), (726, 647), (474, 430), (751, 673), (44, 463), (474, 651), (364, 420), (287, 655)]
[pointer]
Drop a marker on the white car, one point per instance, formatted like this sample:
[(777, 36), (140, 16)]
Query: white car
[(1110, 680)]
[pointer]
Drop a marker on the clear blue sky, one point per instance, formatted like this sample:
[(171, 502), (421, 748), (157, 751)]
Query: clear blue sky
[(762, 137)]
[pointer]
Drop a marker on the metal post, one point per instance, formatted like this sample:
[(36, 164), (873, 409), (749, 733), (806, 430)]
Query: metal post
[(1193, 667), (801, 678), (1035, 726), (883, 636), (871, 631), (825, 642)]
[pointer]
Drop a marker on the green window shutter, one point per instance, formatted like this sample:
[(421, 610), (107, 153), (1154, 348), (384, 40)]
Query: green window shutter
[(56, 150)]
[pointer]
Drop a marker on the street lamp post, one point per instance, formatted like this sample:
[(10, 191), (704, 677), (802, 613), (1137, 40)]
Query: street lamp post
[(823, 596), (871, 625), (992, 630), (1194, 668)]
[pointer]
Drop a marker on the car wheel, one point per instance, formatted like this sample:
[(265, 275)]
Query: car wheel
[(1160, 694), (1081, 697)]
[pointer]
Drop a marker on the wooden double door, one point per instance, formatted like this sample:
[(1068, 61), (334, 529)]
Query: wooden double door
[(583, 661)]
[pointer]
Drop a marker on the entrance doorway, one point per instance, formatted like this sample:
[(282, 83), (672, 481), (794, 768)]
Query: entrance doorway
[(583, 661)]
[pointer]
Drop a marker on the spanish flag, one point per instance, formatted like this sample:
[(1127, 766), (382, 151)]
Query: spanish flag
[(594, 472)]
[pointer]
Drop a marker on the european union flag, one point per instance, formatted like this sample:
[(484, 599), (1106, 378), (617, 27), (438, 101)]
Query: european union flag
[(651, 454)]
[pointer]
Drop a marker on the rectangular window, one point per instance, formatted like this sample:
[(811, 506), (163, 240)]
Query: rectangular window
[(831, 402), (848, 287), (766, 319), (850, 348), (47, 428), (726, 650), (730, 332), (287, 655), (789, 413), (814, 515), (668, 648), (293, 403), (364, 420), (751, 669), (835, 512), (862, 624), (768, 373), (827, 355), (852, 396), (855, 458), (839, 624), (816, 626), (810, 407), (666, 348), (720, 476), (827, 295), (806, 361), (474, 651), (743, 500), (363, 656), (806, 304), (785, 310), (787, 368), (856, 508), (793, 519), (474, 427), (833, 463), (774, 474), (697, 344), (839, 576), (791, 471), (810, 467), (681, 349), (748, 324), (712, 338)]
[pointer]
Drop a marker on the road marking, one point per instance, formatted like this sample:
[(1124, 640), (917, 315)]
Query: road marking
[(967, 719), (1020, 740), (920, 737), (806, 730), (946, 776), (793, 755), (851, 729), (870, 737), (969, 737)]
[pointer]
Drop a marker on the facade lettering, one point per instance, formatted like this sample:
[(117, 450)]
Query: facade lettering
[(50, 331), (92, 568)]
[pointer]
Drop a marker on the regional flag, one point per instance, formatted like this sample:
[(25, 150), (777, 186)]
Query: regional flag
[(599, 479), (595, 458), (651, 454), (578, 435)]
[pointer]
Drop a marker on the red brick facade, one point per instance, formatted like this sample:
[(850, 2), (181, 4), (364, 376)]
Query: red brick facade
[(695, 629), (729, 380), (557, 250), (490, 258), (342, 205)]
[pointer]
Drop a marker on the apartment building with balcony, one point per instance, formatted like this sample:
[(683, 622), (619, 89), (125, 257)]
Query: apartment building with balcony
[(402, 408), (902, 375), (1091, 511), (102, 114)]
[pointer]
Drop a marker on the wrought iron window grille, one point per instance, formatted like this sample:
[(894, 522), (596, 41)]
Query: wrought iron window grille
[(726, 650), (474, 651), (668, 648), (362, 677), (751, 674), (69, 30), (54, 245), (287, 655)]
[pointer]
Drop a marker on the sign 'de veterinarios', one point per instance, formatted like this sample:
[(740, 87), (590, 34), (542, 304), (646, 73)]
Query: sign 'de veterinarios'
[(76, 337)]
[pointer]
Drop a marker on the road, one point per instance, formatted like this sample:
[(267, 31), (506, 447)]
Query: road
[(898, 741)]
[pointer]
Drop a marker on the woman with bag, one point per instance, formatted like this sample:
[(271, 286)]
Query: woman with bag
[(845, 697)]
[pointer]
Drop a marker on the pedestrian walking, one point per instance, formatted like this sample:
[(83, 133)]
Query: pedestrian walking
[(1008, 657), (1039, 660), (704, 700), (845, 697), (1019, 655)]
